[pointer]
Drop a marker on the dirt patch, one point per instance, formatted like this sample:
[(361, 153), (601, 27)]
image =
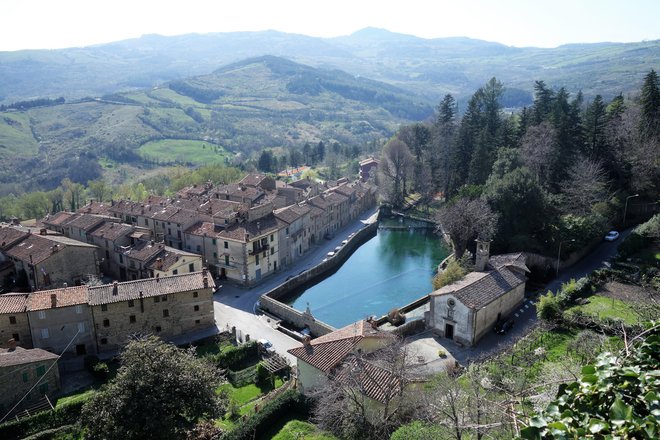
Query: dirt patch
[(629, 292)]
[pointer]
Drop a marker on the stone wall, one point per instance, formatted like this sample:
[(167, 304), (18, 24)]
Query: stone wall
[(270, 300), (21, 328), (17, 380)]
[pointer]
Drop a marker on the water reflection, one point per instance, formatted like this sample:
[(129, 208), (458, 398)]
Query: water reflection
[(390, 270)]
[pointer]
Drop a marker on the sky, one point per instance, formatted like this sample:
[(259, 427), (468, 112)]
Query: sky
[(52, 24)]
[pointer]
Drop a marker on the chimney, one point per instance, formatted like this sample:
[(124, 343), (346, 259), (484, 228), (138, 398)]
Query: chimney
[(159, 263), (115, 289), (43, 231), (11, 344), (157, 277), (204, 271), (483, 254), (65, 285), (53, 300), (306, 340), (15, 221), (205, 280)]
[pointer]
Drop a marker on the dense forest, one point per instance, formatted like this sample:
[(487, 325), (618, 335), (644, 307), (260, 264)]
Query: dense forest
[(560, 170)]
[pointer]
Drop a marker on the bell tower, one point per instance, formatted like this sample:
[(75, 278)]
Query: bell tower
[(483, 254)]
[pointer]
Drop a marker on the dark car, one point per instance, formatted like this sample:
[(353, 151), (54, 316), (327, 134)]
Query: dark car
[(503, 326)]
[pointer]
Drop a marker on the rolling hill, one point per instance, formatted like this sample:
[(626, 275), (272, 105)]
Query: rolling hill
[(429, 67), (238, 109)]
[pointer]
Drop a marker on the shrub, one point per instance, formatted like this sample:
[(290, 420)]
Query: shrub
[(101, 371), (62, 415), (237, 358), (264, 378), (548, 308), (254, 427), (452, 273)]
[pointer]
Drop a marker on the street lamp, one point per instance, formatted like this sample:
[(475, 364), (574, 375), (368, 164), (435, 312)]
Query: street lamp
[(559, 253), (626, 209)]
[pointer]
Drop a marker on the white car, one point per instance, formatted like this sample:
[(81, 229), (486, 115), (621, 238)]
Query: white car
[(331, 254), (266, 345), (611, 236)]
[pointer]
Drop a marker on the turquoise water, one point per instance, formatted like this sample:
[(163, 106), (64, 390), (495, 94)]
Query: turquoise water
[(391, 270)]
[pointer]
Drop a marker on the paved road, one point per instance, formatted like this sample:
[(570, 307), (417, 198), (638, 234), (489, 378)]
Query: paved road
[(235, 305), (525, 316)]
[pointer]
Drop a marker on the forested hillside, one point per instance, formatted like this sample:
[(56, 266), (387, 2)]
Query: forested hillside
[(431, 67), (237, 111), (559, 171)]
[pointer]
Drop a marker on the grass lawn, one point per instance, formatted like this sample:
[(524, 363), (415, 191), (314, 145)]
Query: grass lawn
[(184, 151), (245, 397), (207, 349), (296, 429), (72, 398), (604, 307)]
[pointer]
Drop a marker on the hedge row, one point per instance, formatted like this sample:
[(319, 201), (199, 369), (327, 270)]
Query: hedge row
[(62, 415), (237, 358), (254, 427)]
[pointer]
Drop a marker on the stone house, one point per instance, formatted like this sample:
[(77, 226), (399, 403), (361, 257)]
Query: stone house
[(20, 370), (318, 358), (164, 306), (108, 238), (148, 259), (467, 309), (52, 260), (293, 237), (55, 222), (368, 168), (60, 319), (80, 226), (14, 322), (9, 236), (249, 251)]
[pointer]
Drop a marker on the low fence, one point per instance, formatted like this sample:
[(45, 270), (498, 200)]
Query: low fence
[(270, 301)]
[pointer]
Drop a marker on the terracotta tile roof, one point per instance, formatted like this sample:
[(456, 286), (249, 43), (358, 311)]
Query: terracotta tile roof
[(66, 297), (13, 302), (319, 202), (20, 356), (327, 351), (479, 289), (10, 236), (368, 161), (514, 260), (149, 287), (87, 222), (186, 216), (41, 247), (144, 250), (170, 256), (335, 198), (58, 218), (240, 191), (287, 215), (201, 229), (253, 179), (258, 228), (94, 207), (112, 231), (374, 381)]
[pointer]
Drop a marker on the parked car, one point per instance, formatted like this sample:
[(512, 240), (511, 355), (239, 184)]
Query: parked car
[(338, 248), (503, 326), (266, 346), (331, 254), (612, 235)]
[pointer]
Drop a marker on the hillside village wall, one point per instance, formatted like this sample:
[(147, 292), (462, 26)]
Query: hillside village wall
[(14, 322)]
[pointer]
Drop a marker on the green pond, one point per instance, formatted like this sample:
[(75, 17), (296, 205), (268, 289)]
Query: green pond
[(390, 270)]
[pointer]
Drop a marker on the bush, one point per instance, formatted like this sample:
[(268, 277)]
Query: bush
[(254, 427), (452, 273), (101, 371), (572, 290), (47, 420), (632, 244), (237, 358), (90, 362), (264, 378), (548, 308)]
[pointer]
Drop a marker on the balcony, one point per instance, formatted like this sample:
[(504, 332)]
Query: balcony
[(258, 248)]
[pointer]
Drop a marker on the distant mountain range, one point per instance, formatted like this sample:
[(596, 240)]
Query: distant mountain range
[(427, 67)]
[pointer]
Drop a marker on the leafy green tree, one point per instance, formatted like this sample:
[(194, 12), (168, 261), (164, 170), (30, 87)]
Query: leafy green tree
[(548, 308), (160, 392), (617, 397), (266, 161), (98, 189), (319, 152), (543, 102), (489, 137), (34, 205), (594, 127)]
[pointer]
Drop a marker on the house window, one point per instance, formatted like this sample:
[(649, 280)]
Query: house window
[(12, 320), (79, 309), (41, 370), (131, 303), (81, 327), (178, 234), (175, 271), (287, 231), (25, 377), (131, 319), (191, 267), (214, 241), (106, 323), (226, 245), (169, 231), (196, 308), (195, 294), (265, 254), (44, 333), (215, 255), (42, 314), (196, 321), (166, 313), (43, 388), (104, 307), (121, 258), (257, 259), (199, 248), (158, 329), (16, 337), (104, 341), (156, 299), (146, 222), (227, 260), (272, 251), (271, 238), (164, 298)]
